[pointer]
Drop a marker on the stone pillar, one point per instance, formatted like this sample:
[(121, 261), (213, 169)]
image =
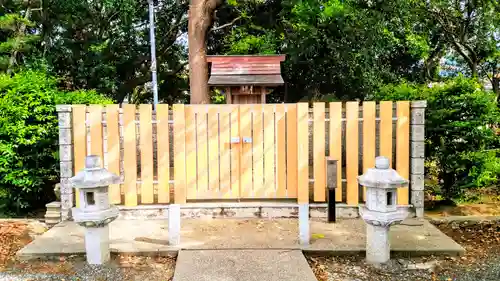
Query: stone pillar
[(66, 159), (174, 224), (304, 232), (417, 138), (378, 248), (97, 244)]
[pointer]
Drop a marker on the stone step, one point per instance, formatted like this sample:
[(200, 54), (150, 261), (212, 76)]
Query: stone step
[(242, 265)]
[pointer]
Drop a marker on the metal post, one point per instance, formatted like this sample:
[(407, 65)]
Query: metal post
[(331, 184), (154, 80)]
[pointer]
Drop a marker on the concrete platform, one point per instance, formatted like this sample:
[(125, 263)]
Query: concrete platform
[(242, 265), (414, 237)]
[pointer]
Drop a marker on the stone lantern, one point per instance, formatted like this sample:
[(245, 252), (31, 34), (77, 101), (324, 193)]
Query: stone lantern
[(95, 212), (381, 210)]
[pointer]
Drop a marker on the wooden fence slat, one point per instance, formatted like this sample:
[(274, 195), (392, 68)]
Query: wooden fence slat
[(303, 153), (163, 153), (113, 154), (79, 142), (369, 140), (269, 190), (191, 152), (352, 134), (235, 151), (225, 153), (213, 151), (291, 150), (130, 155), (146, 147), (258, 151), (336, 143), (403, 147), (280, 134), (95, 116), (386, 129), (179, 154), (319, 159), (246, 151), (202, 149)]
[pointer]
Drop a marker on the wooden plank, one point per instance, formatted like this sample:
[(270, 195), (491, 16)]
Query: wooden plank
[(202, 149), (79, 142), (179, 154), (225, 152), (190, 146), (146, 147), (352, 134), (95, 116), (319, 156), (246, 188), (369, 140), (163, 153), (403, 147), (336, 143), (280, 127), (129, 155), (113, 145), (235, 151), (258, 150), (269, 166), (302, 153), (386, 129), (291, 150), (213, 151)]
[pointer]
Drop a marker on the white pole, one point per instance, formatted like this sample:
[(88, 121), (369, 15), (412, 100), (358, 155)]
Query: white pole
[(154, 80)]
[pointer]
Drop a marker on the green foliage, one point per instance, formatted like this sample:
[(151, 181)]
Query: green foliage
[(345, 49), (105, 46), (28, 137), (461, 136)]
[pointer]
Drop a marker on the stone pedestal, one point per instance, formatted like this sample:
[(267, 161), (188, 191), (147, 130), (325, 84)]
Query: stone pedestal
[(378, 248), (97, 244), (53, 214)]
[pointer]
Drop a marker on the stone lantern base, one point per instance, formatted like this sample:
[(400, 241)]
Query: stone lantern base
[(378, 248)]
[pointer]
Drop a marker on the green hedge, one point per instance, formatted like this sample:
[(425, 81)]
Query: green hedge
[(28, 138), (461, 132)]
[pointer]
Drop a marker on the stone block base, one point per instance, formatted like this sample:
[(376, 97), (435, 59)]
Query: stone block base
[(53, 214)]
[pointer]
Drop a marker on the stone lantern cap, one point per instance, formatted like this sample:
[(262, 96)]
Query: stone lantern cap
[(382, 176), (93, 175)]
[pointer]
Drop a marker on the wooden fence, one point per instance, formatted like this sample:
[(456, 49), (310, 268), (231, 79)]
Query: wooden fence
[(216, 152)]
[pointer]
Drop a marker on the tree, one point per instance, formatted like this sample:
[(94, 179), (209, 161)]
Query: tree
[(17, 37), (470, 27), (104, 45)]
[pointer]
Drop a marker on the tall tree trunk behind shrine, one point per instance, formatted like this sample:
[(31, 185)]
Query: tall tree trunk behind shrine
[(200, 20)]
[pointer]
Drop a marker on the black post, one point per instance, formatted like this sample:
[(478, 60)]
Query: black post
[(331, 184)]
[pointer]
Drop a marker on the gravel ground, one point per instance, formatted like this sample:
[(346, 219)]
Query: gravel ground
[(481, 239), (14, 234), (75, 268)]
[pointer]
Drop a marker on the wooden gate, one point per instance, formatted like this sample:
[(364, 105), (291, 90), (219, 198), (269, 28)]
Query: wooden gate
[(260, 151), (239, 151)]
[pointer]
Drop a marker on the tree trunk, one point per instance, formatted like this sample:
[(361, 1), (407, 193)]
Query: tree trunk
[(495, 83), (200, 19)]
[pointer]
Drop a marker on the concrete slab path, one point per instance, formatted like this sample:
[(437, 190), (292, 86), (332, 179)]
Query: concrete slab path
[(242, 265), (415, 237)]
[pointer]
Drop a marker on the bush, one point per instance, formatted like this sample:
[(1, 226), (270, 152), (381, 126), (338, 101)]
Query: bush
[(28, 138), (461, 122)]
